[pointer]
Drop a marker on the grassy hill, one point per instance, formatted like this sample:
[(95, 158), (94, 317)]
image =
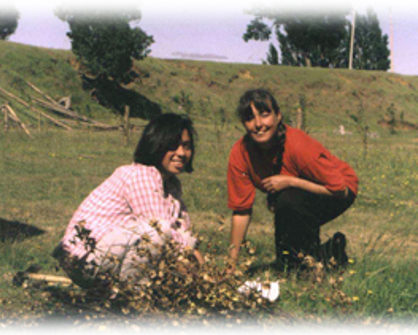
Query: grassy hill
[(210, 91), (44, 178)]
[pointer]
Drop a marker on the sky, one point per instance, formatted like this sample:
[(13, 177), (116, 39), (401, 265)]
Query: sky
[(213, 29)]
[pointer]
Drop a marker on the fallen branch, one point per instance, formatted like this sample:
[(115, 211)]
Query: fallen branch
[(23, 276), (24, 103), (55, 107), (10, 95), (61, 110), (50, 118), (76, 123), (40, 92), (14, 116)]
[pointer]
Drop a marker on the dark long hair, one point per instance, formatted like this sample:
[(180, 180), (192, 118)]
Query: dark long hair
[(163, 134), (263, 100)]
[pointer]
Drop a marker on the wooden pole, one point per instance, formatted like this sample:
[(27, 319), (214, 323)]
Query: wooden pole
[(61, 110), (24, 103), (41, 93), (126, 124), (6, 119), (18, 121), (50, 278)]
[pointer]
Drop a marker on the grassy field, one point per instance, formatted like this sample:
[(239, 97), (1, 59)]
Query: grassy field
[(43, 179)]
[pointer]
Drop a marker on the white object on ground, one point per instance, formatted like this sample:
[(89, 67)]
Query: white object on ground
[(271, 293)]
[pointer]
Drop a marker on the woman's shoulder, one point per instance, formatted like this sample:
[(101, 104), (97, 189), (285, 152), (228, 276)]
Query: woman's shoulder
[(297, 138), (296, 133), (238, 152), (135, 170), (238, 148), (238, 144), (300, 148)]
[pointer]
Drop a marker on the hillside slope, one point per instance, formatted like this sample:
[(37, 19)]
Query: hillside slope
[(209, 91)]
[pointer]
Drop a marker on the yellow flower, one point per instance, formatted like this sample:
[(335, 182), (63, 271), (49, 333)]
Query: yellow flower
[(285, 252), (351, 272), (369, 292), (356, 298), (351, 261)]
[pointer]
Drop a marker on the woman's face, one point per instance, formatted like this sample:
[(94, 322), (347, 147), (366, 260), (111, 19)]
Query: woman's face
[(174, 161), (262, 126)]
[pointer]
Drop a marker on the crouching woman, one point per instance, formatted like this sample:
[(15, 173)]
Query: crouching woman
[(306, 185), (138, 203)]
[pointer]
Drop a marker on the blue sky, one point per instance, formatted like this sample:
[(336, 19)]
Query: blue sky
[(212, 30)]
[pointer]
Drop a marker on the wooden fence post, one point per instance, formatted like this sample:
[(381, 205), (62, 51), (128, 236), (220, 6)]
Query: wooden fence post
[(6, 119), (126, 125), (299, 119)]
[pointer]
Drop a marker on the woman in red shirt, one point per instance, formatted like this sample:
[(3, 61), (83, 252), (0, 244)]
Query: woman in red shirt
[(306, 185)]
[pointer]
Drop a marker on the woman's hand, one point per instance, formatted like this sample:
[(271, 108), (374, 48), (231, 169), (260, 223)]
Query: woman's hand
[(277, 183)]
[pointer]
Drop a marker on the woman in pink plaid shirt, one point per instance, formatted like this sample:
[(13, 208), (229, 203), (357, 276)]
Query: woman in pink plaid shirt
[(118, 213)]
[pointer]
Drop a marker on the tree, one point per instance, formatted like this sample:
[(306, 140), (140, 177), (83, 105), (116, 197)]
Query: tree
[(370, 50), (305, 39), (105, 43), (272, 55), (8, 21)]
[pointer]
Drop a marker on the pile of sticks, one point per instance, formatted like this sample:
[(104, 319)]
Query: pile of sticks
[(46, 107)]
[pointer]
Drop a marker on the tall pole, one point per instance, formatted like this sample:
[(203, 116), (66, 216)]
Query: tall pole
[(353, 25)]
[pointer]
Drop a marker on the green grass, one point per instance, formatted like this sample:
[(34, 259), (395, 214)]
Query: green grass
[(212, 87), (43, 179)]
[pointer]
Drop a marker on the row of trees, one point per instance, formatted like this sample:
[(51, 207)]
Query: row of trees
[(320, 38), (107, 43)]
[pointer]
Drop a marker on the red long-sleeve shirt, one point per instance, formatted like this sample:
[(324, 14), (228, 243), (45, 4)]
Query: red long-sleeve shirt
[(303, 157)]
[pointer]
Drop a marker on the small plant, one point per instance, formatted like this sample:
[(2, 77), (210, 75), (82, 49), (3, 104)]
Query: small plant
[(361, 124), (391, 118), (219, 122), (402, 117), (184, 101)]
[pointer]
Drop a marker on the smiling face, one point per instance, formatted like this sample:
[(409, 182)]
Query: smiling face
[(175, 161), (262, 125)]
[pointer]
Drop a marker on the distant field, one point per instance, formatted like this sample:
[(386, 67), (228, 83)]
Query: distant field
[(43, 179)]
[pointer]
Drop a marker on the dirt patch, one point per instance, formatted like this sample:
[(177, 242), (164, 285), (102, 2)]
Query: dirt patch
[(401, 81), (245, 74)]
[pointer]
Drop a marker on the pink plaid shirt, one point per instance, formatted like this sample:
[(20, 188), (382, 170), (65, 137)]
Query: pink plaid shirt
[(132, 192)]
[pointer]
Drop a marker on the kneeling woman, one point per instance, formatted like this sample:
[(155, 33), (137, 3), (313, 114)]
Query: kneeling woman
[(307, 186), (119, 212)]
